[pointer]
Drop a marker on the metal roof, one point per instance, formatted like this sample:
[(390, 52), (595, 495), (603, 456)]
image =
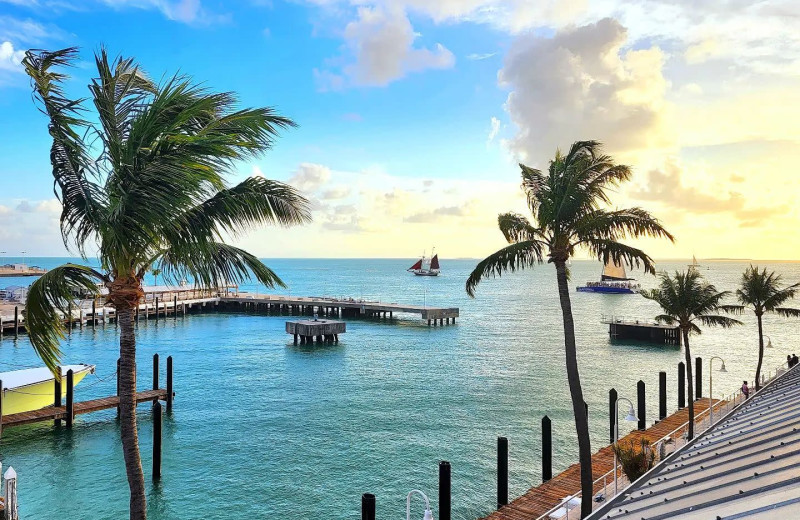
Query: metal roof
[(746, 466)]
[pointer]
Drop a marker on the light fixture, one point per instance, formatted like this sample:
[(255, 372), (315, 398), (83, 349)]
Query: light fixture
[(722, 368), (631, 416), (769, 342), (428, 513)]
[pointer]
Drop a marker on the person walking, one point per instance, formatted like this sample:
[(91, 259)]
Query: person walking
[(745, 390), (794, 360), (789, 361)]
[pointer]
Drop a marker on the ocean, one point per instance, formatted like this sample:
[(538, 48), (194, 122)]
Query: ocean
[(263, 429)]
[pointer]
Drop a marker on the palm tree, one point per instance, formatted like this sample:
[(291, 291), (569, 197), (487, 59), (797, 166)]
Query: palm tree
[(155, 193), (688, 300), (567, 203), (762, 292), (155, 272)]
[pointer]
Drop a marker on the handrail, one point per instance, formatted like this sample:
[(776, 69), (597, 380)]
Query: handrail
[(729, 401)]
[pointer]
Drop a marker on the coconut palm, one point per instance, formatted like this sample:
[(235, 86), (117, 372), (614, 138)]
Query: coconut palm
[(156, 273), (762, 292), (568, 207), (146, 186), (688, 301)]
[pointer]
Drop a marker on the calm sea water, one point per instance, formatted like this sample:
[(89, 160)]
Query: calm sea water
[(263, 429)]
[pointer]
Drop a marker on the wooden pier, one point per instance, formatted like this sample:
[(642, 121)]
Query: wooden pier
[(325, 331), (642, 330)]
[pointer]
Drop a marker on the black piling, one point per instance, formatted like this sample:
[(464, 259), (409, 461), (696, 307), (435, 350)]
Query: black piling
[(641, 405), (612, 410), (547, 449), (16, 321), (681, 385), (445, 491), (662, 395), (698, 378), (502, 472), (70, 400), (94, 313), (367, 506), (156, 309), (169, 384), (57, 396), (175, 307), (157, 417), (155, 371)]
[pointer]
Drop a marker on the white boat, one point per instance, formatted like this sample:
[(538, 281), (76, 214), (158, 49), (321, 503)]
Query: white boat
[(425, 267), (614, 280), (694, 265), (34, 388)]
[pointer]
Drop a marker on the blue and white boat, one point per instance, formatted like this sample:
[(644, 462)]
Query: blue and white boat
[(614, 280)]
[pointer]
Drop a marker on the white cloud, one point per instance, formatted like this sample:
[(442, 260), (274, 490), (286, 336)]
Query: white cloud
[(481, 56), (10, 59), (309, 177), (495, 129), (185, 11)]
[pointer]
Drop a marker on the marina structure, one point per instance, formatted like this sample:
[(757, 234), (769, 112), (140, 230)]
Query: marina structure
[(648, 330), (9, 270), (325, 331)]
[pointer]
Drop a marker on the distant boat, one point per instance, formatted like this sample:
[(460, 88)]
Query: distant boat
[(425, 267), (694, 265), (33, 388), (614, 280)]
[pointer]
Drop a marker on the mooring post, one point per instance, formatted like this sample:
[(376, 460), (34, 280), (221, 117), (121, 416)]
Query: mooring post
[(57, 396), (175, 307), (94, 313), (16, 321), (662, 395), (445, 491), (681, 385), (367, 506), (155, 376), (157, 441), (502, 472), (612, 409), (10, 498), (169, 384), (698, 378), (156, 309), (70, 397), (547, 449), (641, 407)]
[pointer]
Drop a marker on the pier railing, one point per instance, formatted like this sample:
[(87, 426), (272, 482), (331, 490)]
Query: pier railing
[(569, 507)]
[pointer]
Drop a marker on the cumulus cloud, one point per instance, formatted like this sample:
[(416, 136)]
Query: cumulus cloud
[(583, 83), (309, 177), (185, 11), (336, 192), (32, 225), (380, 48), (441, 213), (10, 58), (494, 130), (479, 56)]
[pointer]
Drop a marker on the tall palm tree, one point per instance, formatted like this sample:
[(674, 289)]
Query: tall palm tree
[(153, 194), (156, 273), (567, 204), (762, 292), (689, 301)]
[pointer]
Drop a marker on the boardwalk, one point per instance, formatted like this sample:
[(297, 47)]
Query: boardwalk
[(539, 500)]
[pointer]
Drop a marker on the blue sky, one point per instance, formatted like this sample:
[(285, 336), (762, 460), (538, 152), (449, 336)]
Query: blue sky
[(413, 114)]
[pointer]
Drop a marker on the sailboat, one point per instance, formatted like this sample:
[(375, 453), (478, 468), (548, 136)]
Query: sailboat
[(33, 388), (614, 280), (694, 265), (425, 267)]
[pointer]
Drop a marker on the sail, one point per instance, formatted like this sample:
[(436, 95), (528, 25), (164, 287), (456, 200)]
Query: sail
[(435, 262), (614, 271), (416, 266)]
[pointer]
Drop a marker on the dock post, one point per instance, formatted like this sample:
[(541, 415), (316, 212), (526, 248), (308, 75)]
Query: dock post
[(157, 416), (641, 407), (94, 313), (69, 319), (445, 491), (1, 408), (612, 410), (502, 472), (70, 400), (698, 378), (156, 309), (662, 396), (367, 506), (295, 338), (119, 361), (175, 307), (16, 321), (547, 449), (169, 384), (681, 385), (80, 318), (155, 375), (10, 497), (57, 396)]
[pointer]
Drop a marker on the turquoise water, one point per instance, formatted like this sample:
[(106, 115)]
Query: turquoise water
[(262, 428)]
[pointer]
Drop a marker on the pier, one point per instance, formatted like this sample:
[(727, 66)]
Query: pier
[(11, 270), (642, 330), (326, 331)]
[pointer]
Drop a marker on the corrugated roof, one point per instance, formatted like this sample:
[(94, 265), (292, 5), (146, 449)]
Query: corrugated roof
[(746, 466)]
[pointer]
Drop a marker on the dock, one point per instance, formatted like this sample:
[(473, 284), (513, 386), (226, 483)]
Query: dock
[(326, 331), (11, 270), (642, 330)]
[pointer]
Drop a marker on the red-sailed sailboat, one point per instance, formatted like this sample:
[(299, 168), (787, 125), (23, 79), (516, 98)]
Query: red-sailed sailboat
[(425, 267)]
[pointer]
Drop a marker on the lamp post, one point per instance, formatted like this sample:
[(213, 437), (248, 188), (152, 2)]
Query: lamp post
[(711, 387), (428, 514), (769, 343), (631, 417)]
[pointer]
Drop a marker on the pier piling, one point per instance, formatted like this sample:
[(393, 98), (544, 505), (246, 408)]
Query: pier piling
[(502, 472), (681, 385), (547, 449), (57, 395), (662, 395), (367, 506), (1, 408), (155, 374), (16, 321), (612, 410), (698, 378), (641, 405), (156, 309), (94, 313), (70, 400), (169, 384), (175, 307), (157, 437), (445, 491)]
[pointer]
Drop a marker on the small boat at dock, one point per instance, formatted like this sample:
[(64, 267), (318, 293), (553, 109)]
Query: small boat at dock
[(34, 388), (614, 280), (425, 267)]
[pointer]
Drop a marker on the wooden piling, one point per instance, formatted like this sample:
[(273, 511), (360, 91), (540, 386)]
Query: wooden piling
[(80, 318), (641, 405), (698, 378), (155, 374), (94, 313), (547, 449), (157, 437), (16, 321), (662, 395), (170, 393), (367, 506), (445, 491), (70, 400), (502, 472), (612, 412), (156, 309), (681, 385), (57, 395), (175, 307)]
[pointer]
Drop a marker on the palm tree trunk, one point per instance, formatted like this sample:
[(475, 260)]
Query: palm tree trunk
[(127, 406), (576, 392), (689, 382), (760, 352)]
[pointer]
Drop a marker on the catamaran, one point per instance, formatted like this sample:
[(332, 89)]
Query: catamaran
[(425, 267), (34, 388), (614, 280)]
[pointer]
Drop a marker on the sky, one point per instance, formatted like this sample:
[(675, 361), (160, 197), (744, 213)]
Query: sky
[(414, 114)]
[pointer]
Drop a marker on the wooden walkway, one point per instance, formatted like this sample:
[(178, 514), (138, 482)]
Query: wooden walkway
[(52, 412), (540, 499)]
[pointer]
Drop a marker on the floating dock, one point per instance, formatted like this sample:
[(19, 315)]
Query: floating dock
[(325, 331), (642, 330)]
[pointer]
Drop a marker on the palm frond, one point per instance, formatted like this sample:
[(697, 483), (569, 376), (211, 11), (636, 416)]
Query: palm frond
[(516, 228), (718, 321), (48, 302), (619, 224), (509, 259), (732, 309), (620, 253), (788, 313)]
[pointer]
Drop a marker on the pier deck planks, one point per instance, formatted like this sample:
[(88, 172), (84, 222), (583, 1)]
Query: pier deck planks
[(540, 499)]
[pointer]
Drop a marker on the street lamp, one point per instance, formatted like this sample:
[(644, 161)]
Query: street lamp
[(428, 514), (631, 417), (769, 342), (711, 387)]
